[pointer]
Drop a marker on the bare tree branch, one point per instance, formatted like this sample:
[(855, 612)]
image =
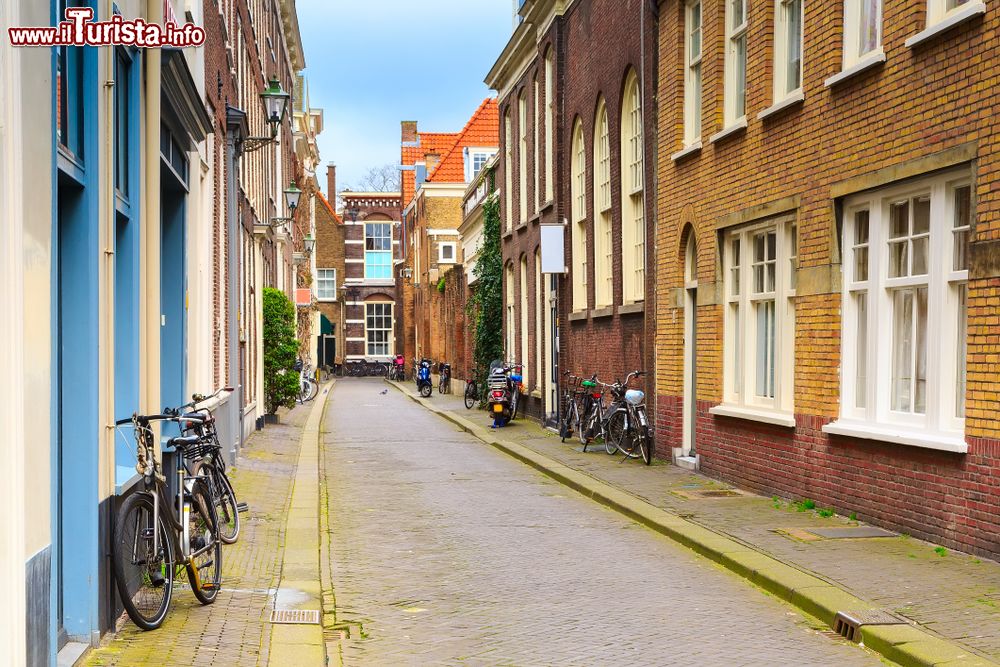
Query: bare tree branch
[(379, 179)]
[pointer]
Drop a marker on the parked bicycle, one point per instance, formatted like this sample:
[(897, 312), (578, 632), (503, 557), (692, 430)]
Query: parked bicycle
[(397, 371), (213, 463), (308, 386), (471, 391), (444, 378), (154, 534), (634, 439)]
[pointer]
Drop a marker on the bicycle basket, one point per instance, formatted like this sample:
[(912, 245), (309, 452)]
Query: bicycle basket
[(634, 396)]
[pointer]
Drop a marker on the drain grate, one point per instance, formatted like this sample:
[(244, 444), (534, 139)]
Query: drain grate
[(848, 623), (851, 532), (291, 616)]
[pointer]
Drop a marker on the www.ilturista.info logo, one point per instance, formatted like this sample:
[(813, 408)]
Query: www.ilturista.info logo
[(79, 29)]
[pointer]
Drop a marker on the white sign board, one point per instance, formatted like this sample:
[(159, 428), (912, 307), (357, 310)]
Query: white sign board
[(553, 248)]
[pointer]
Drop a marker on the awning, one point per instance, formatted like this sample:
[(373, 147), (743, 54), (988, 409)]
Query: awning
[(325, 326)]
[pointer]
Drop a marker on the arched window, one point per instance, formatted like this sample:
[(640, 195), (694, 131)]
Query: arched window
[(539, 316), (602, 209), (522, 159), (578, 197), (549, 119), (633, 201), (508, 182), (509, 346)]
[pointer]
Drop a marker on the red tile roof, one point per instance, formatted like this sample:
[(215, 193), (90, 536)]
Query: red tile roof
[(326, 203), (429, 142), (482, 130)]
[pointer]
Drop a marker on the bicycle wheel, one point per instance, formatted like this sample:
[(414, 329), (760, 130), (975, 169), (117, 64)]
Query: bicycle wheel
[(515, 403), (440, 385), (470, 395), (584, 429), (313, 390), (204, 570), (567, 421), (144, 575), (614, 430), (225, 503), (645, 442)]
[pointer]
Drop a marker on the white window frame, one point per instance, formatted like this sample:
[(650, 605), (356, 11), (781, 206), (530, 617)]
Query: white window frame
[(633, 202), (389, 251), (320, 280), (536, 163), (603, 244), (740, 362), (941, 425), (369, 330), (509, 306), (522, 159), (735, 101), (454, 249), (694, 34), (474, 154), (578, 198), (854, 12), (939, 10), (523, 326), (784, 47)]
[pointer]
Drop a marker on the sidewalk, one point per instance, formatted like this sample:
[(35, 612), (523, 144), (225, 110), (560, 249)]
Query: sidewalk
[(236, 629), (952, 600)]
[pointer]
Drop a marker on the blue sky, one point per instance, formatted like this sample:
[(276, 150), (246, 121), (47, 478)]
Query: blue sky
[(373, 63)]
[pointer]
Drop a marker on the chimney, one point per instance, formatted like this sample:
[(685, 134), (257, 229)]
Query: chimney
[(432, 160), (331, 183), (409, 132)]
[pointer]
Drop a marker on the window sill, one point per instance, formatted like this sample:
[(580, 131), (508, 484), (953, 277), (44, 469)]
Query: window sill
[(629, 308), (604, 311), (798, 97), (738, 126), (898, 435), (868, 62), (326, 300), (547, 205), (577, 315), (686, 151), (960, 16), (754, 414)]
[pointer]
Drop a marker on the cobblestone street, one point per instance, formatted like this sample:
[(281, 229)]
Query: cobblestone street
[(446, 552)]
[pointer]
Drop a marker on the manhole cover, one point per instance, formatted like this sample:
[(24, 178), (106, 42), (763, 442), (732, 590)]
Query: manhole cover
[(295, 616), (851, 532)]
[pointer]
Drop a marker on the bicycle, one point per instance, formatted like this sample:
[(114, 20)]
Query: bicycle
[(471, 391), (209, 453), (634, 440), (444, 378), (308, 387), (572, 394), (149, 526)]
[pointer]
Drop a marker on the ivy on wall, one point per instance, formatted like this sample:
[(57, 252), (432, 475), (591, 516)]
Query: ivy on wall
[(486, 306)]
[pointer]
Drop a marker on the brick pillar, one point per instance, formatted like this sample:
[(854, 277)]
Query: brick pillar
[(331, 183)]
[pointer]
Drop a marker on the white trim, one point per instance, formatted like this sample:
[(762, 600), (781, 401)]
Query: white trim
[(354, 241), (793, 98), (442, 232), (740, 124), (454, 252), (886, 433), (355, 340), (354, 261), (965, 13), (687, 150), (354, 321), (871, 60), (754, 414)]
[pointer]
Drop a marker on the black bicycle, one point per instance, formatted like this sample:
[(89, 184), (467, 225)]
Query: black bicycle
[(471, 391), (444, 378), (155, 534)]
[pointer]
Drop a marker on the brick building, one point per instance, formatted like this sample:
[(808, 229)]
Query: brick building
[(443, 165), (371, 252), (330, 272), (827, 283), (573, 147)]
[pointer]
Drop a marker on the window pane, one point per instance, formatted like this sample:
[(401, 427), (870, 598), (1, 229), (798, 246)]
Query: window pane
[(695, 31), (920, 256), (899, 217), (898, 259), (861, 349), (765, 349), (735, 267), (793, 35), (740, 46), (737, 341), (861, 227), (960, 356), (737, 13), (921, 215), (869, 26), (962, 228), (902, 345), (920, 375)]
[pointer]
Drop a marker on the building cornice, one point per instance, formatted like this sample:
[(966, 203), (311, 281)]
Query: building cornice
[(293, 38), (520, 49)]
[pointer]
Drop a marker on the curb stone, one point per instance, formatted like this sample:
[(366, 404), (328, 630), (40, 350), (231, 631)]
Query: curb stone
[(906, 645)]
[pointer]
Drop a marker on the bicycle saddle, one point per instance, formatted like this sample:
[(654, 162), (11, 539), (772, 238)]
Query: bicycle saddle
[(182, 441)]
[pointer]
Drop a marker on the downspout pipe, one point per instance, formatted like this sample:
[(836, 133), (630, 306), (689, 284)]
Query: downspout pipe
[(235, 134)]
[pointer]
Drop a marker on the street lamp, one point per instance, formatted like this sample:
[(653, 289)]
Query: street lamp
[(276, 107), (292, 194), (353, 213), (309, 244), (407, 273)]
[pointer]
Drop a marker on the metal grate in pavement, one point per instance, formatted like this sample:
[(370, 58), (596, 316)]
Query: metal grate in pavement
[(851, 532), (848, 623), (290, 616)]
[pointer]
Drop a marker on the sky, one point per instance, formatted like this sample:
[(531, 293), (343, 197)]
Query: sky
[(374, 63)]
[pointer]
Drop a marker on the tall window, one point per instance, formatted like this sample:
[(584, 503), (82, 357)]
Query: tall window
[(539, 316), (578, 197), (633, 201), (508, 176), (759, 280), (326, 284), (938, 10), (905, 305), (862, 30), (536, 167), (123, 121), (378, 250), (692, 72), (378, 329), (736, 61), (522, 159), (523, 353), (550, 103), (602, 209), (787, 48), (509, 347)]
